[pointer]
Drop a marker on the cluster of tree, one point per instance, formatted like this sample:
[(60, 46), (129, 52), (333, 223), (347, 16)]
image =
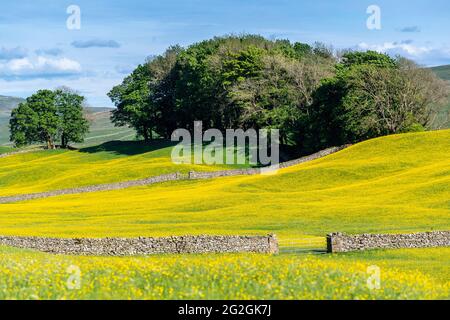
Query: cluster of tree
[(315, 98), (231, 82), (373, 95), (48, 116)]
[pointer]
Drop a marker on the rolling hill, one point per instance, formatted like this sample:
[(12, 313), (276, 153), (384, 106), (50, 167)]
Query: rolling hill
[(398, 183), (6, 105), (442, 72), (106, 163), (442, 117)]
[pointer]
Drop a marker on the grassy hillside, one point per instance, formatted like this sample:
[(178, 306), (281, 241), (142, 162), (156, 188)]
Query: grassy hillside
[(110, 162), (102, 129), (442, 72), (442, 117), (5, 149), (392, 184), (6, 105)]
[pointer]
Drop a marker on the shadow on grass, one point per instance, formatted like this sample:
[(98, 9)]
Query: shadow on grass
[(129, 148)]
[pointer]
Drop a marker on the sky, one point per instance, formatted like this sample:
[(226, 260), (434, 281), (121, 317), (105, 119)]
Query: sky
[(42, 45)]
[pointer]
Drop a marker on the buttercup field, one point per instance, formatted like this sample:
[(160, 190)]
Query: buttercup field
[(167, 153)]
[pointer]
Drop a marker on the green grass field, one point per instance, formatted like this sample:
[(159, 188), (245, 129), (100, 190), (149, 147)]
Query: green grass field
[(442, 72), (5, 149), (103, 130), (399, 183)]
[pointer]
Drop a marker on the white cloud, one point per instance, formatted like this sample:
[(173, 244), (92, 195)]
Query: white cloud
[(39, 66), (89, 86), (397, 48), (424, 55)]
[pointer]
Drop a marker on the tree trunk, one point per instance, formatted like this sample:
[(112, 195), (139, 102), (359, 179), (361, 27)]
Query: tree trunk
[(50, 144), (145, 133)]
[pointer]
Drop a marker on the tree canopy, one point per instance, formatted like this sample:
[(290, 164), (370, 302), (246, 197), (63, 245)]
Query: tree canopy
[(315, 98), (47, 116)]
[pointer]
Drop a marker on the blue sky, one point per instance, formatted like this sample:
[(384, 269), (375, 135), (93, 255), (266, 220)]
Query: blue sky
[(37, 50)]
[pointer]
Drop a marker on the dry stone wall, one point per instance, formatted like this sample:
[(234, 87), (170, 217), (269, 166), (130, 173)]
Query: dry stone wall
[(194, 175), (340, 242), (12, 153), (94, 188), (146, 246)]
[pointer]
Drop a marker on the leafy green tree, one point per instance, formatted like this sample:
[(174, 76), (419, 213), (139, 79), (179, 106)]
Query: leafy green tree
[(201, 83), (35, 120), (47, 116), (280, 96), (314, 95), (133, 103), (371, 95), (23, 125), (73, 127)]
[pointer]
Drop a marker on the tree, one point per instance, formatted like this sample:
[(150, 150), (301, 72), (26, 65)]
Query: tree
[(73, 126), (201, 83), (371, 95), (279, 97), (47, 116), (133, 103), (316, 96), (35, 120)]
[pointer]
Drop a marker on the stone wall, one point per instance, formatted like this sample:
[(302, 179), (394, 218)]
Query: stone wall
[(340, 242), (145, 245), (94, 188), (194, 175), (12, 153)]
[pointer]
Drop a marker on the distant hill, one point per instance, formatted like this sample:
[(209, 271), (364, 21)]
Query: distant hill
[(8, 103), (442, 72), (101, 128), (442, 118)]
